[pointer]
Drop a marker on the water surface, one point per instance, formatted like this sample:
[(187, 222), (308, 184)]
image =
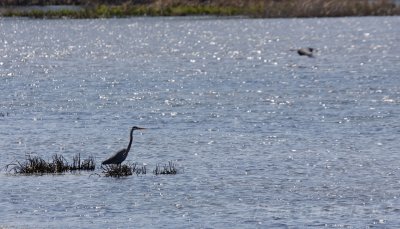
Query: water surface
[(263, 137)]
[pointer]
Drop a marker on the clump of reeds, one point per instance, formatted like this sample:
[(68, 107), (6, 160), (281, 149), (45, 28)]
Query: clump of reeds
[(165, 169), (32, 164), (139, 169), (86, 164), (58, 164), (123, 170)]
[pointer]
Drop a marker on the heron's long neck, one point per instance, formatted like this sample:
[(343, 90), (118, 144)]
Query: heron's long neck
[(130, 142)]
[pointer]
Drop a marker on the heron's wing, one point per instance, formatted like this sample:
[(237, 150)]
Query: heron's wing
[(114, 159)]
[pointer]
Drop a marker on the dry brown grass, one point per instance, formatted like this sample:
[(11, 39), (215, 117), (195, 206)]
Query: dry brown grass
[(251, 8), (329, 8)]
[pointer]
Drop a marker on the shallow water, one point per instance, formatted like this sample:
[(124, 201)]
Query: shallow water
[(262, 137)]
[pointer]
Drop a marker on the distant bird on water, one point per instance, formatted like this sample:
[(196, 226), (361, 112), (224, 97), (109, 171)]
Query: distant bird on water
[(121, 155), (306, 52)]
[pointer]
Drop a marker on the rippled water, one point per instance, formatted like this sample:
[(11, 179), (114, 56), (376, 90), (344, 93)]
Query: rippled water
[(262, 137)]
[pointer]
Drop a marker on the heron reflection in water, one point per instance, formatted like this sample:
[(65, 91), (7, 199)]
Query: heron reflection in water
[(121, 155)]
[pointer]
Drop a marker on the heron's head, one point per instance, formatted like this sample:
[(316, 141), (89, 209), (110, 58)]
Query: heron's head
[(138, 128)]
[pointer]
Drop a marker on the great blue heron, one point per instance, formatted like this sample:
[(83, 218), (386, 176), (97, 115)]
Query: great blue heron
[(306, 52), (121, 155)]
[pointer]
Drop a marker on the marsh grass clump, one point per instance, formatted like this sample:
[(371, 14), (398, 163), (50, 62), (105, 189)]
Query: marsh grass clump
[(86, 164), (169, 169), (58, 164), (117, 170), (32, 164), (139, 169), (123, 170)]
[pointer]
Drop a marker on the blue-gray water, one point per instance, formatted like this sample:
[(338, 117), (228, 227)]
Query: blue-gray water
[(262, 137)]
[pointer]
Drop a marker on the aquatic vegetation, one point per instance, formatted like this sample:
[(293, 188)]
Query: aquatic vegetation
[(130, 169), (117, 170), (58, 164), (32, 164), (139, 170), (123, 170), (86, 164), (169, 169)]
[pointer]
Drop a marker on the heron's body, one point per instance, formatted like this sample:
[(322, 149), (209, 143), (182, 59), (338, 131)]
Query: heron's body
[(117, 158), (121, 155)]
